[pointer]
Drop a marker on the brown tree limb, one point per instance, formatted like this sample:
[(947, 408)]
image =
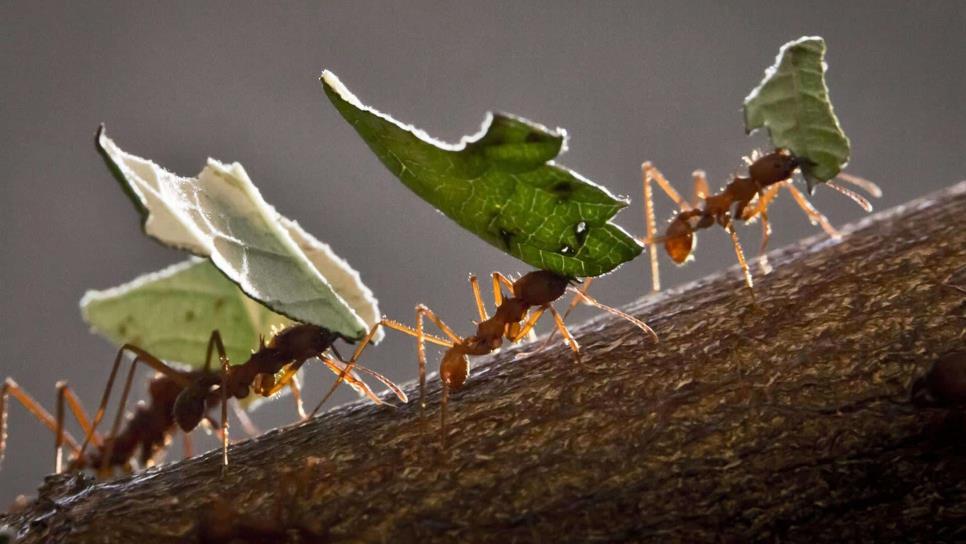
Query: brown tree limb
[(787, 421)]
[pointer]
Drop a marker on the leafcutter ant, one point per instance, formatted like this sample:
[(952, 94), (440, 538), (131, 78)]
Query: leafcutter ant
[(145, 434), (181, 397), (531, 296), (746, 198), (267, 371)]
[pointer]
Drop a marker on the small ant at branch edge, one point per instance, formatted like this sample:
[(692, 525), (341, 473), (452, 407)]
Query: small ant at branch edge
[(183, 398), (537, 289), (745, 198)]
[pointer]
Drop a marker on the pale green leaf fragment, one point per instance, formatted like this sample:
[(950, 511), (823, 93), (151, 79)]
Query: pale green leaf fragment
[(502, 185), (221, 215), (792, 102), (171, 314)]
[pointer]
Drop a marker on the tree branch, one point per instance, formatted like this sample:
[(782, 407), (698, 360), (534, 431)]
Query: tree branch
[(789, 420)]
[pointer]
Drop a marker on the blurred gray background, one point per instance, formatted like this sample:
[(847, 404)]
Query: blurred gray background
[(630, 81)]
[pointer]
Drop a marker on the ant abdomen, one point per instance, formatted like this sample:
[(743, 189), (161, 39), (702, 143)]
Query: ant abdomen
[(540, 287)]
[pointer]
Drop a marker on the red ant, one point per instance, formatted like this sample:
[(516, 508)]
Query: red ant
[(512, 321), (745, 199), (182, 397)]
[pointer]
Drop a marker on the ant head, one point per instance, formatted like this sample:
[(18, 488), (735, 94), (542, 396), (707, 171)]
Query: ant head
[(454, 369), (540, 287), (774, 167)]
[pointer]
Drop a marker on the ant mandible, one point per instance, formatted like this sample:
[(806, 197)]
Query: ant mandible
[(512, 320), (744, 199)]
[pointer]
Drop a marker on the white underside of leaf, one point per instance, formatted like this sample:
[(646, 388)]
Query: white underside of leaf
[(221, 215)]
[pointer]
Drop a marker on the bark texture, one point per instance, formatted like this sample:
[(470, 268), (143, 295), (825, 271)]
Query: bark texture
[(788, 420)]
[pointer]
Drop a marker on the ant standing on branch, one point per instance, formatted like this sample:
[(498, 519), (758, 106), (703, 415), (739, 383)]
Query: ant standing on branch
[(184, 398), (512, 320), (746, 198)]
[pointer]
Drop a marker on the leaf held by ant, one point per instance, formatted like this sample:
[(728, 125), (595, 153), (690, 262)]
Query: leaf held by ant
[(502, 185)]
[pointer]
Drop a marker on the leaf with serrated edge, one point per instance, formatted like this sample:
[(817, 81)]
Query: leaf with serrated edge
[(171, 313), (792, 103), (502, 185), (221, 214)]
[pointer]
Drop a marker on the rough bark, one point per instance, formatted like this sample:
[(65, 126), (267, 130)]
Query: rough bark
[(787, 420)]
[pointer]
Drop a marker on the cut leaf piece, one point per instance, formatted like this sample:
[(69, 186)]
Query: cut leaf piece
[(171, 313), (502, 185), (792, 103), (221, 214)]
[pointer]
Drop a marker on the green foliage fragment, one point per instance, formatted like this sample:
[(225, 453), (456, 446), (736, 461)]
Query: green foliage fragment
[(502, 185), (792, 103), (171, 314)]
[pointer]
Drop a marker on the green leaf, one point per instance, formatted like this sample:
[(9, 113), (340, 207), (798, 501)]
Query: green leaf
[(502, 185), (171, 313), (221, 214), (792, 103)]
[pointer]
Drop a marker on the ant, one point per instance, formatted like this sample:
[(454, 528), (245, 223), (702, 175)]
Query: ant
[(267, 371), (182, 397), (512, 320), (148, 431), (746, 198)]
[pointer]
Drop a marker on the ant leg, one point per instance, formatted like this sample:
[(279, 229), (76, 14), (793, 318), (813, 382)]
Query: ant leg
[(224, 411), (814, 215), (187, 450), (293, 384), (741, 259), (500, 281), (701, 190), (444, 402), (11, 388), (475, 284), (614, 311), (528, 325), (651, 174), (140, 356), (353, 380), (214, 341), (64, 393), (421, 312), (570, 308), (395, 325), (765, 235), (761, 209), (246, 422), (566, 334), (861, 183), (348, 367), (109, 442), (856, 197)]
